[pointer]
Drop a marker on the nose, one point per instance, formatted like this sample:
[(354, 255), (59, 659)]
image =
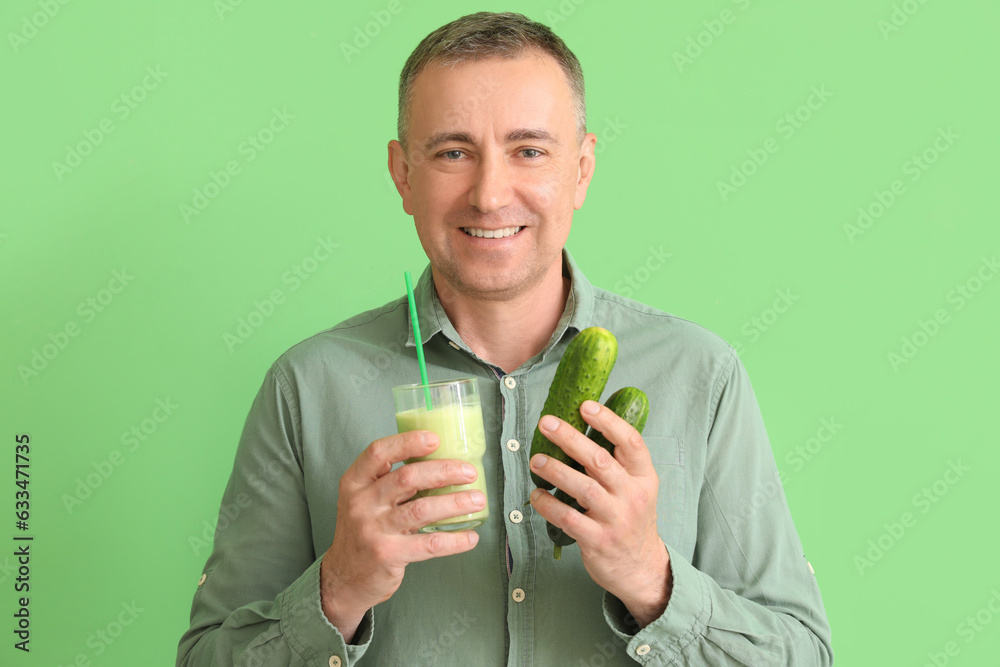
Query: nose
[(491, 190)]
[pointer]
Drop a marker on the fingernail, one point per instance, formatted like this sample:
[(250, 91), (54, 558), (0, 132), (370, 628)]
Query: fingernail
[(549, 423), (428, 438), (539, 460), (478, 499), (536, 494), (590, 407), (468, 470)]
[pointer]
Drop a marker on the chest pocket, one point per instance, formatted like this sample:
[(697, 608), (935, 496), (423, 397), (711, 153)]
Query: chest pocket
[(672, 499)]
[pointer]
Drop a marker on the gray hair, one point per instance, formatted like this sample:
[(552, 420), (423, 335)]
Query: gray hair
[(487, 35)]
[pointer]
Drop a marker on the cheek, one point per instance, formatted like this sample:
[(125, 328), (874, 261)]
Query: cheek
[(550, 191), (435, 198)]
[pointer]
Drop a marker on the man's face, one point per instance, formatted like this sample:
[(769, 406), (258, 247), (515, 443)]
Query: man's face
[(492, 146)]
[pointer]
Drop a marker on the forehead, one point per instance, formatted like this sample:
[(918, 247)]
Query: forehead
[(530, 90)]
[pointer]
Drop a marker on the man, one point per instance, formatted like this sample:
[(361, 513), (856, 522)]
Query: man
[(324, 565)]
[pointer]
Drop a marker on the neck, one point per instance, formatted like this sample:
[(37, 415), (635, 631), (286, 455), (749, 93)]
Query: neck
[(508, 333)]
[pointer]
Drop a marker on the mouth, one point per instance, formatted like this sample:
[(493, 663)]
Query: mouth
[(491, 233)]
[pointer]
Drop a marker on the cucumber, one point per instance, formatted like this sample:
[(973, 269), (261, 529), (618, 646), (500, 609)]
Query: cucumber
[(581, 375), (630, 404)]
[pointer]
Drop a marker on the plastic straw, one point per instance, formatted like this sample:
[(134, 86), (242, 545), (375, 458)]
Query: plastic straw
[(420, 342)]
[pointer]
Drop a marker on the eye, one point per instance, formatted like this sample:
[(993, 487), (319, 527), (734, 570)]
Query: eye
[(531, 150), (454, 152)]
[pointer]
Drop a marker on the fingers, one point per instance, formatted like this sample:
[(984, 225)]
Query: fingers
[(588, 491), (599, 464), (377, 459), (630, 449), (404, 482), (410, 517), (574, 523), (434, 545)]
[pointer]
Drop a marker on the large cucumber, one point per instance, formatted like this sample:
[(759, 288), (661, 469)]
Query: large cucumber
[(630, 404), (581, 375)]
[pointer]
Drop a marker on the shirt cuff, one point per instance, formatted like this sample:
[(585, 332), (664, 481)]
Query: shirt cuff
[(683, 621), (310, 633)]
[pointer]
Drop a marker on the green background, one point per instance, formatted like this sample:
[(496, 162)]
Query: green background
[(671, 132)]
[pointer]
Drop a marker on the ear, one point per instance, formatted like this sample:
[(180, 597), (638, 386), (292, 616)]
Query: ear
[(586, 169), (399, 170)]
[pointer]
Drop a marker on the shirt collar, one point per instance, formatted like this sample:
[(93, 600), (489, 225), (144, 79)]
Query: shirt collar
[(577, 313)]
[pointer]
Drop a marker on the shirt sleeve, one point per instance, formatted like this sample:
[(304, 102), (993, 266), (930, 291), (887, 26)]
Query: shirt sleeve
[(748, 596), (258, 601)]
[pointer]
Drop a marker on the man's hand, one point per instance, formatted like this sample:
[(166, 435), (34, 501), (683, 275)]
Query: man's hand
[(377, 536), (619, 543)]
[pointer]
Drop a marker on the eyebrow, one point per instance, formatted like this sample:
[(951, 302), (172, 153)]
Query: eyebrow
[(520, 134)]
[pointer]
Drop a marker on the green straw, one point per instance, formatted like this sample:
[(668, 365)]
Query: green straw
[(420, 343)]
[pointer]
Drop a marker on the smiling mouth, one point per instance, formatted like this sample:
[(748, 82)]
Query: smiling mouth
[(492, 233)]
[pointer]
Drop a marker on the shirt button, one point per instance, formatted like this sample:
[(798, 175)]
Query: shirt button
[(202, 580), (335, 661), (515, 517), (513, 445), (642, 650), (518, 595), (510, 382)]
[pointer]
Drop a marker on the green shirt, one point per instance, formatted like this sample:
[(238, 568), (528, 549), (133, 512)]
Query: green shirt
[(743, 592)]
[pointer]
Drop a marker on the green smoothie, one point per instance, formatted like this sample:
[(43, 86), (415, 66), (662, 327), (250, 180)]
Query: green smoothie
[(462, 437)]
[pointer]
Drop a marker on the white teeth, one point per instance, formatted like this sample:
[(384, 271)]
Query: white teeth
[(490, 233)]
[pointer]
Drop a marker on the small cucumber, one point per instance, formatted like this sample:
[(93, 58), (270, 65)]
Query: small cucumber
[(581, 375), (630, 404)]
